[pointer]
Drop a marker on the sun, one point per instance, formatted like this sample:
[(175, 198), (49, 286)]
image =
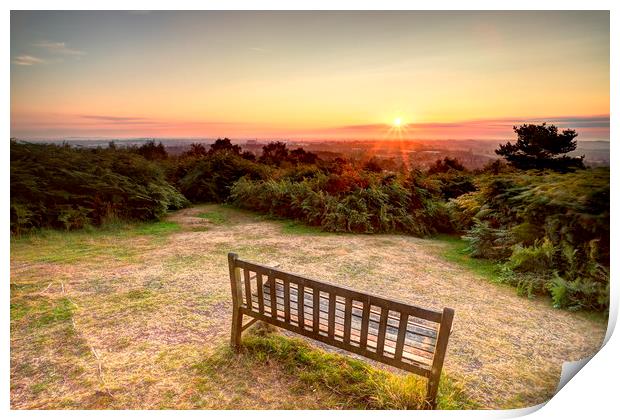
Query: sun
[(397, 122)]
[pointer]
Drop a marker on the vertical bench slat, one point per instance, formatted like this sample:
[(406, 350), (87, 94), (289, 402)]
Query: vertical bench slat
[(382, 328), (364, 331), (331, 319), (287, 300), (300, 305), (316, 310), (259, 288), (348, 307), (272, 296), (248, 288), (402, 331)]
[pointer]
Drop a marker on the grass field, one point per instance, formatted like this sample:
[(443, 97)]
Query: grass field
[(138, 316)]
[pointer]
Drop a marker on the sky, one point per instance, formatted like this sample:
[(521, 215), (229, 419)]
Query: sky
[(307, 75)]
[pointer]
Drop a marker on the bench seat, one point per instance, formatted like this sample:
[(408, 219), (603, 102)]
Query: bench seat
[(420, 338)]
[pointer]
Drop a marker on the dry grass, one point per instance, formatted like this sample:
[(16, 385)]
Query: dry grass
[(120, 318)]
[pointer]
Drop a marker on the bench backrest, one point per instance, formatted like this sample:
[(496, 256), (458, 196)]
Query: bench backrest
[(385, 330)]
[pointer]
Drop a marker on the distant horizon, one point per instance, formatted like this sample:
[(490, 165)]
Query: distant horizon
[(588, 128), (267, 140)]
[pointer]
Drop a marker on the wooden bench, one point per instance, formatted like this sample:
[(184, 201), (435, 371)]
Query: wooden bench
[(395, 333)]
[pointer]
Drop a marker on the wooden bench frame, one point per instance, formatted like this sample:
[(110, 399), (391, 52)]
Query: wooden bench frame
[(427, 331)]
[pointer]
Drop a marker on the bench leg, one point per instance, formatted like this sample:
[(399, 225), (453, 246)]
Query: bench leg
[(237, 316), (235, 333), (431, 391)]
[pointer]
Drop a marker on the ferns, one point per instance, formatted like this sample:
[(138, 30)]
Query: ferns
[(534, 259), (209, 178), (363, 204), (487, 242), (551, 229), (69, 188)]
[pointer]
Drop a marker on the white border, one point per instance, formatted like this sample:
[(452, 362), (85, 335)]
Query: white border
[(592, 394)]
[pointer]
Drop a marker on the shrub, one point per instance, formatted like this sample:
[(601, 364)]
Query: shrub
[(585, 282), (209, 178), (536, 259), (453, 184), (152, 151), (224, 145), (65, 187), (349, 202), (487, 242), (534, 264), (550, 228), (447, 165)]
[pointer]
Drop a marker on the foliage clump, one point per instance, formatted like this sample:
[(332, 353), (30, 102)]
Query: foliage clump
[(353, 201), (550, 229), (69, 188), (210, 177)]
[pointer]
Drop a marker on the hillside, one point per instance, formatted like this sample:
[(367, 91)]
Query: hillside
[(133, 316)]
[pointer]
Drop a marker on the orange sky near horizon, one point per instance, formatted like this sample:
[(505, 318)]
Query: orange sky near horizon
[(307, 75)]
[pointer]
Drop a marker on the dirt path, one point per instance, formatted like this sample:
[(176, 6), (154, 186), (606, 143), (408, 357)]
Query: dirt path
[(165, 305)]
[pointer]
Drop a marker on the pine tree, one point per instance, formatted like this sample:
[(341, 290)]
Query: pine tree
[(542, 147)]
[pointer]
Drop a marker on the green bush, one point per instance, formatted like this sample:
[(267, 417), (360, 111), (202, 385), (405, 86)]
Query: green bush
[(533, 259), (209, 178), (487, 242), (534, 266), (454, 184), (452, 177), (65, 187), (362, 202), (584, 282), (550, 231)]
